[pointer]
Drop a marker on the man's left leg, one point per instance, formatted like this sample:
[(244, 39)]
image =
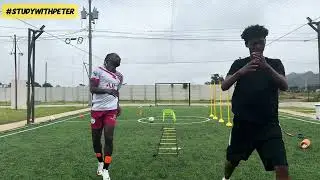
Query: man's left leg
[(272, 152), (282, 173), (280, 161), (108, 148)]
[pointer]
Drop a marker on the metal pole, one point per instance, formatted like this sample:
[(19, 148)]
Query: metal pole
[(155, 94), (20, 54), (189, 94), (72, 76), (82, 94), (318, 28), (45, 82), (171, 28), (33, 72), (15, 73), (29, 76), (90, 51)]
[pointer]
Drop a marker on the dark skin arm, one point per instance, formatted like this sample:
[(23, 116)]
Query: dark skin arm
[(96, 90), (258, 62), (231, 79), (119, 110), (279, 79)]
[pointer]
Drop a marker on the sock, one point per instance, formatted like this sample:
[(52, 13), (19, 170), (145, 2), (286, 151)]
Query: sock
[(99, 157), (224, 178), (107, 161)]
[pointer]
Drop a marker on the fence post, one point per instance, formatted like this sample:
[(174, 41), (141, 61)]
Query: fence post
[(64, 94), (131, 93), (145, 92)]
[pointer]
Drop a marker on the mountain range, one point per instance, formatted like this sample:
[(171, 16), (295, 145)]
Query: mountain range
[(302, 79)]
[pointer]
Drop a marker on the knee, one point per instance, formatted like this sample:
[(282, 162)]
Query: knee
[(109, 139), (96, 136), (232, 163), (282, 172)]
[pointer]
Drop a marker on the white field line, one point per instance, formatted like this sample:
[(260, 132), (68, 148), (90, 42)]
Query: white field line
[(298, 119), (49, 124)]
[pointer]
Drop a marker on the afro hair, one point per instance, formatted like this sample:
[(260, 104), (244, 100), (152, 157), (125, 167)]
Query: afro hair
[(111, 56), (254, 31)]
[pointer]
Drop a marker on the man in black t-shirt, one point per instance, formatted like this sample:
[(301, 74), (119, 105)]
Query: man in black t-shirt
[(255, 106)]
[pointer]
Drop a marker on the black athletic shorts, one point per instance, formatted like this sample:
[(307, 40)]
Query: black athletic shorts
[(245, 137)]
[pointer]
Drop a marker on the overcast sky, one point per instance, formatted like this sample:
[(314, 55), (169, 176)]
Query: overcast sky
[(163, 40)]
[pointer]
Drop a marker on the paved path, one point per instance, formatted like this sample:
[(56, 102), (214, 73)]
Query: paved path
[(53, 105), (309, 115), (19, 124), (298, 104)]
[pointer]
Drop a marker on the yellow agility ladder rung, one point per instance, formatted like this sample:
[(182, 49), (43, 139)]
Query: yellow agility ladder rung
[(169, 153), (169, 136), (168, 139), (168, 143)]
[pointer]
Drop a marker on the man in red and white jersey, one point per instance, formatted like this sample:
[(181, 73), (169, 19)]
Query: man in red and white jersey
[(105, 83)]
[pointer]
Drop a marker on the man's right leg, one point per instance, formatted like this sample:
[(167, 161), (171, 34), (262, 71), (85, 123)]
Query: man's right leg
[(96, 141), (240, 147), (96, 132), (229, 168)]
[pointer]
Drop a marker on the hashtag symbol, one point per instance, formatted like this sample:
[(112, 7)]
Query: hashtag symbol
[(8, 11)]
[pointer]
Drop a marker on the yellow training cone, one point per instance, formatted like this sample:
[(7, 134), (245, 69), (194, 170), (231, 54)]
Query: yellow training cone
[(221, 118)]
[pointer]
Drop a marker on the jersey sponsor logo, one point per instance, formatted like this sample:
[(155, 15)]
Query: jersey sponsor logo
[(95, 73), (111, 85), (93, 121)]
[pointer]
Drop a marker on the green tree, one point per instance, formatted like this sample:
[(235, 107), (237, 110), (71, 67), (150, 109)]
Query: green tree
[(215, 78), (47, 85)]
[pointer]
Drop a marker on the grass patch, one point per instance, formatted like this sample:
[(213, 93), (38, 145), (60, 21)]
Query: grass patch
[(11, 115), (68, 144), (4, 103)]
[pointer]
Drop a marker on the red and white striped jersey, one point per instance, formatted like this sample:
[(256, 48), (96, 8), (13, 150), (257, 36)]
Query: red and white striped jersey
[(106, 80)]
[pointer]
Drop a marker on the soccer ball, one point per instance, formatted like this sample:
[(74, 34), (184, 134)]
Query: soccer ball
[(151, 119)]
